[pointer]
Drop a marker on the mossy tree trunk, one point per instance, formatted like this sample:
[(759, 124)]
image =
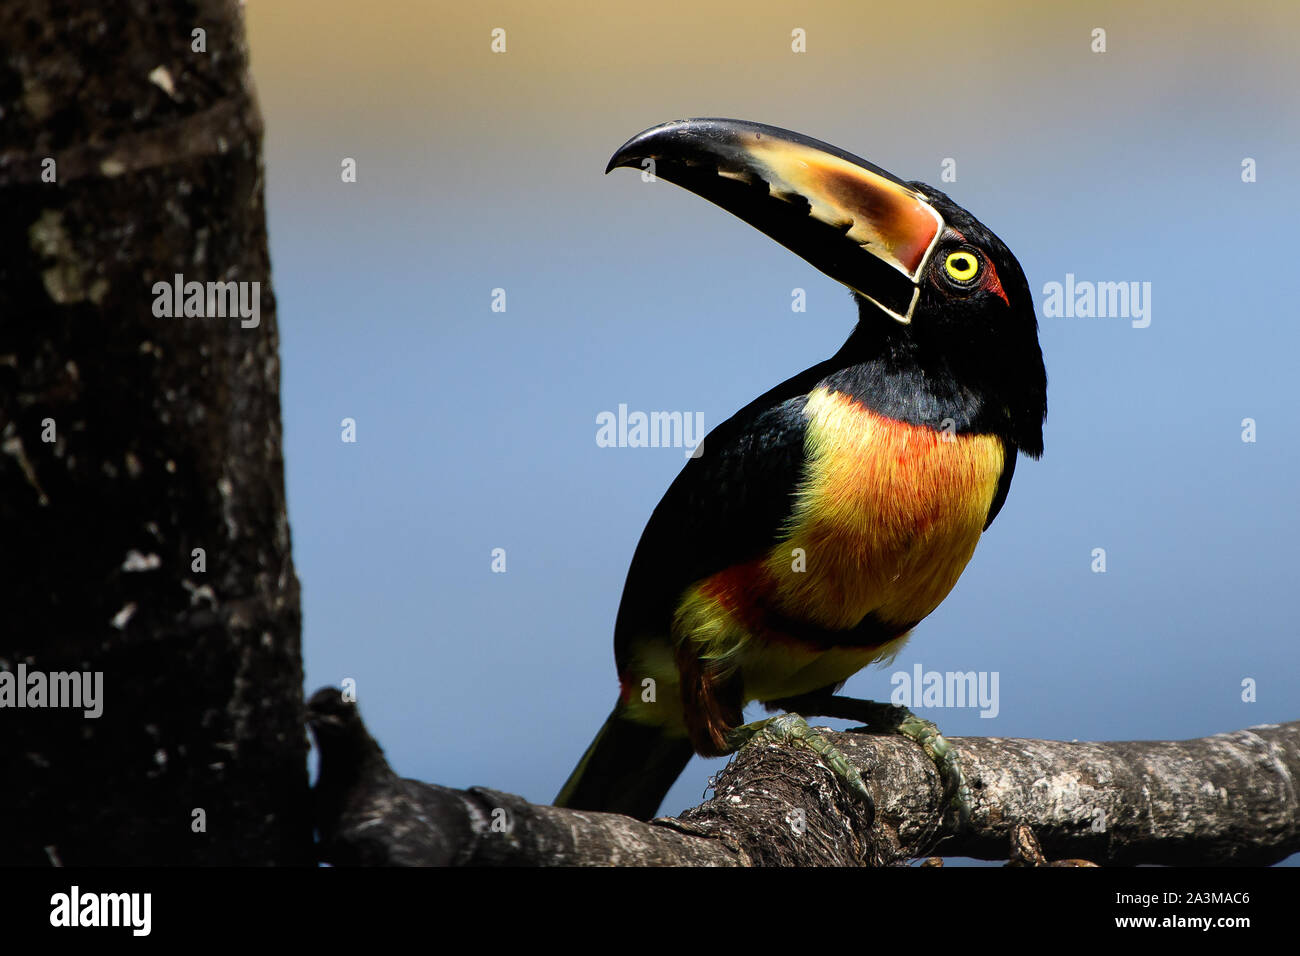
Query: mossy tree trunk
[(143, 532)]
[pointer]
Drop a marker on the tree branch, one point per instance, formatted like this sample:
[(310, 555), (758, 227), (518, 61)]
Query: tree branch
[(1226, 799)]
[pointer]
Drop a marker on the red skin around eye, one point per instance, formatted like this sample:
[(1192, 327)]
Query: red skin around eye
[(991, 281)]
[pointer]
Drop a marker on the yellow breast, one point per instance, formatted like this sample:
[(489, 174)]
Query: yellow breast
[(887, 517), (884, 522)]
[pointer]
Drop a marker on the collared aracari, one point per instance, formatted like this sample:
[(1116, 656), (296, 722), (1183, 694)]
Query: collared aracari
[(830, 515)]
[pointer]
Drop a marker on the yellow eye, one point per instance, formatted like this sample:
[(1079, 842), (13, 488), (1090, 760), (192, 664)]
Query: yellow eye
[(962, 266)]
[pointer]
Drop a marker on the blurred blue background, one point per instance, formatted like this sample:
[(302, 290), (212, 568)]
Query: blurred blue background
[(476, 429)]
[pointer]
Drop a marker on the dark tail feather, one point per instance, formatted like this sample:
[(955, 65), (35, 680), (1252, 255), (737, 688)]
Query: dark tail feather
[(628, 769)]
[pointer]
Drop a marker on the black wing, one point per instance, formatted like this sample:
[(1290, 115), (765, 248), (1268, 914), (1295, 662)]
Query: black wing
[(725, 508)]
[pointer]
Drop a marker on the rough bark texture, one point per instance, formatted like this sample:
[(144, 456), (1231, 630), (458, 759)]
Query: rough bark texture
[(1226, 799), (367, 815), (166, 440)]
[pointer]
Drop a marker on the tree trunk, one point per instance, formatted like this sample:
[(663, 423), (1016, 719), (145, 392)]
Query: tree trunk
[(143, 533)]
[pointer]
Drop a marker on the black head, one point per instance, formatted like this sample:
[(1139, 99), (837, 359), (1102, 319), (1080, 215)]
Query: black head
[(973, 326)]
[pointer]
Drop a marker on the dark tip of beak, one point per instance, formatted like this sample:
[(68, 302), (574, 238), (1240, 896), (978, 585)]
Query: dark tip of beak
[(651, 141)]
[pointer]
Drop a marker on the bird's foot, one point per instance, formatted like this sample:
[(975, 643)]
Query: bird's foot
[(891, 718), (793, 729), (944, 756)]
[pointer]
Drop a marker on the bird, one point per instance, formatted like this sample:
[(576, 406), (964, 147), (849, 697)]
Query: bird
[(825, 519)]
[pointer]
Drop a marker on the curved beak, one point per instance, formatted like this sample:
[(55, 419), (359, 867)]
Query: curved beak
[(851, 219)]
